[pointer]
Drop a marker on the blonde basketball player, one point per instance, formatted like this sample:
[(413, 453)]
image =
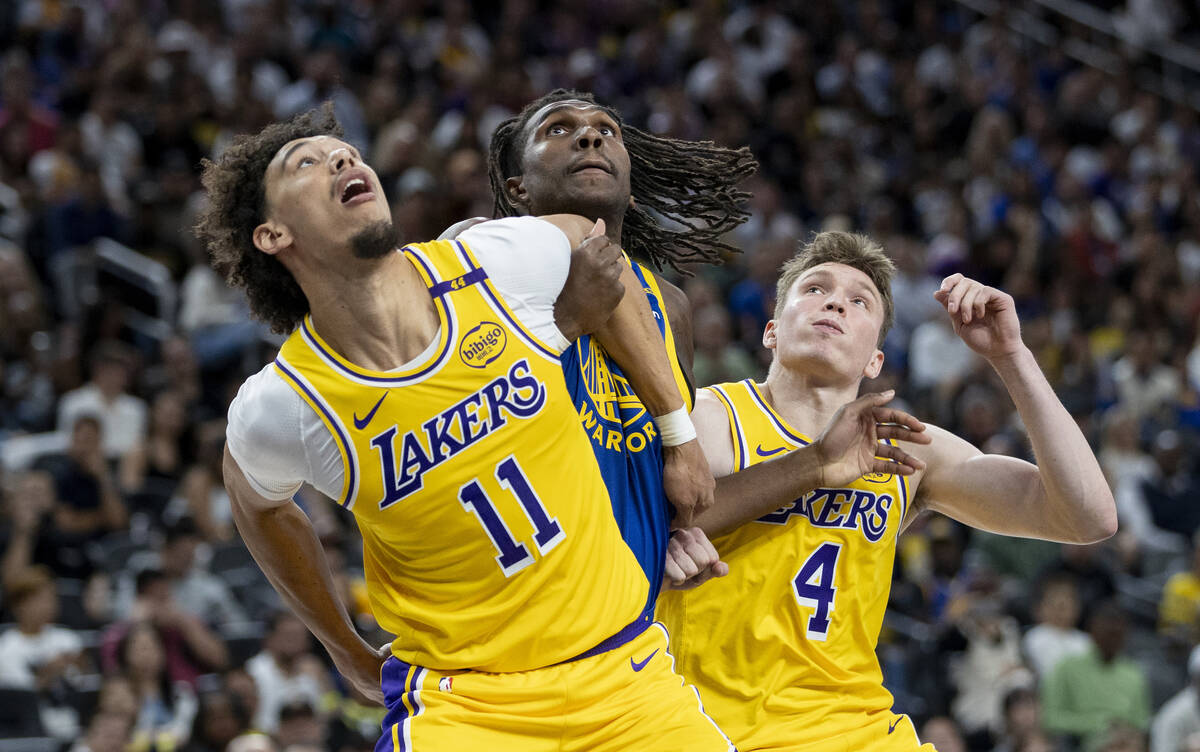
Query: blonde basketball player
[(783, 648), (422, 390)]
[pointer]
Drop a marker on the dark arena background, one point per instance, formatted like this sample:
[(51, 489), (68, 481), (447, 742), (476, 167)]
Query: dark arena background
[(1046, 147)]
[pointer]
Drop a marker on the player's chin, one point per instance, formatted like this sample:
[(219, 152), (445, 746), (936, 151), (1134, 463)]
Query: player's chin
[(591, 190)]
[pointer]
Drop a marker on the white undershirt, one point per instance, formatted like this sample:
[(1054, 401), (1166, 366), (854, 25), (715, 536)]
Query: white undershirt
[(280, 442)]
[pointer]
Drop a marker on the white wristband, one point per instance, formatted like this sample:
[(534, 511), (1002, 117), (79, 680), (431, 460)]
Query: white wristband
[(675, 427)]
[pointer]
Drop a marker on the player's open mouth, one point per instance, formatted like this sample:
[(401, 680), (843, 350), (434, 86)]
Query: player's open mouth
[(355, 188)]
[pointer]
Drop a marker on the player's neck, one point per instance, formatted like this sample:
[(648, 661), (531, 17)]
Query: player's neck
[(614, 219), (612, 226), (804, 401), (378, 315)]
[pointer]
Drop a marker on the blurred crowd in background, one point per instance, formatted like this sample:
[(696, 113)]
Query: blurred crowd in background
[(133, 616)]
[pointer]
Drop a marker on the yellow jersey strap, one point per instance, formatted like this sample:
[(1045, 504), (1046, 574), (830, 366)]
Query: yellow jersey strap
[(444, 266)]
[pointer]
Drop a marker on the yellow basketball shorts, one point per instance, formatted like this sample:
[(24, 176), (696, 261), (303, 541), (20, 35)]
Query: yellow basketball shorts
[(879, 732), (626, 698)]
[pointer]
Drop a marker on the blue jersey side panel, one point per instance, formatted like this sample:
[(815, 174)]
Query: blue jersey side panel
[(625, 441)]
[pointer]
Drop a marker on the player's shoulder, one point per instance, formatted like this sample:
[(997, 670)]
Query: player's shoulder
[(264, 397), (720, 393), (707, 399), (508, 229)]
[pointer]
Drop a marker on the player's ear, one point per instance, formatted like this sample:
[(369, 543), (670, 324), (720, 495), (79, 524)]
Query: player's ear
[(271, 237), (632, 202), (515, 186), (768, 338), (874, 365)]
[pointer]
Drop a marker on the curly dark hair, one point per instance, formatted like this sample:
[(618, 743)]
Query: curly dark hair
[(693, 183), (237, 200)]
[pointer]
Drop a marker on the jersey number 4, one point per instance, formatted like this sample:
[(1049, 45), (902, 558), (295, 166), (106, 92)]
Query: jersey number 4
[(814, 588), (513, 555)]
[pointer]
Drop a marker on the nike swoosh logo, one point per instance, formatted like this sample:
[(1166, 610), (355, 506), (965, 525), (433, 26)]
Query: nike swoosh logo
[(767, 452), (892, 725), (638, 666), (361, 423)]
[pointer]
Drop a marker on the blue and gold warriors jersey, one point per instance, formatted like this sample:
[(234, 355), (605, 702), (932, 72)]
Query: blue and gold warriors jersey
[(625, 440), (783, 648), (488, 537)]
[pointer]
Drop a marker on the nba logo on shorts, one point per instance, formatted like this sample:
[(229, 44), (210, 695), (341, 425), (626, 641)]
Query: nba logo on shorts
[(446, 684)]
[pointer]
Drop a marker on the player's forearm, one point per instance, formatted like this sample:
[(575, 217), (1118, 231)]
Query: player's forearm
[(745, 496), (1080, 505), (284, 544), (632, 339)]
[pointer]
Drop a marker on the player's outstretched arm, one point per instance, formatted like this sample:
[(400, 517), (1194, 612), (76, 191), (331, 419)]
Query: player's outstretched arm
[(632, 338), (846, 450), (1064, 497), (283, 542)]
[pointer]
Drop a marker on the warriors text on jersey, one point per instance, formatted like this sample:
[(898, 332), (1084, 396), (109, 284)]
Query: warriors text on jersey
[(783, 648), (625, 440), (488, 537)]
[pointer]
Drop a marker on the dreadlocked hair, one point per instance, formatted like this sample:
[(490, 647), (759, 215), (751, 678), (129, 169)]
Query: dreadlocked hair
[(237, 200), (692, 183)]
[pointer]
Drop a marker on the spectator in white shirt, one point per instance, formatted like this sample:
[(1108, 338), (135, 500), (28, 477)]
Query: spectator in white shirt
[(1144, 383), (286, 670), (122, 416), (1055, 636), (1178, 721), (35, 654)]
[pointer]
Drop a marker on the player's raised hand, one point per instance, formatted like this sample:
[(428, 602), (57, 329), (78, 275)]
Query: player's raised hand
[(849, 446), (687, 481), (691, 560), (983, 317), (593, 287)]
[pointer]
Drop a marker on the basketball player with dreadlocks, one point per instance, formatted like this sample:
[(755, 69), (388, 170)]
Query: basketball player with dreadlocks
[(421, 387), (564, 150), (566, 153)]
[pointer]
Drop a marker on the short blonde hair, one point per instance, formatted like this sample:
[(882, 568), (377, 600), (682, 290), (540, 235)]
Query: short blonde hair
[(852, 249)]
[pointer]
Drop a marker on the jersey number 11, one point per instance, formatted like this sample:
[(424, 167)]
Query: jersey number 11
[(513, 556)]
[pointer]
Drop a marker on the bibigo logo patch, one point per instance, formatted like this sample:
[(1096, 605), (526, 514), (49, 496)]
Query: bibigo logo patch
[(482, 344)]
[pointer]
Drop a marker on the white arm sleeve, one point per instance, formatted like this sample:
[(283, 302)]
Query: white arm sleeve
[(279, 441), (265, 435), (527, 259)]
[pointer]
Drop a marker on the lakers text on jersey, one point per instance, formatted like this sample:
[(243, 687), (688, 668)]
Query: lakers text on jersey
[(488, 537), (783, 648)]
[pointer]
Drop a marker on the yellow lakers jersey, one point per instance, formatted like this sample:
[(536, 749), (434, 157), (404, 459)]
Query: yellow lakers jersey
[(783, 648), (488, 537)]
